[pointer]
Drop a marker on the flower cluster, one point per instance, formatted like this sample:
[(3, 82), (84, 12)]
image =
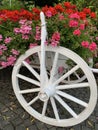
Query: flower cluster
[(66, 26)]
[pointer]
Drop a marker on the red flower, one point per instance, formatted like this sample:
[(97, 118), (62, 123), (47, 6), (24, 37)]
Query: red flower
[(73, 6), (59, 8), (67, 4), (51, 9), (77, 32), (93, 15), (82, 15), (93, 46), (36, 13), (69, 11), (87, 10)]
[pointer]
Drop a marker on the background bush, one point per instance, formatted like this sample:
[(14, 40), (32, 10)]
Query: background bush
[(11, 4)]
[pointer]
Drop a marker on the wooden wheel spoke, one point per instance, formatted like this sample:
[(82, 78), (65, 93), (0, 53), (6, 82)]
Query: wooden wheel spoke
[(28, 79), (29, 90), (66, 75), (72, 98), (72, 86), (54, 108), (31, 70), (75, 73), (54, 67), (65, 106), (44, 108), (32, 101)]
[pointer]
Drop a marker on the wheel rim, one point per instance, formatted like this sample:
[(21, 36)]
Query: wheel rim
[(56, 101)]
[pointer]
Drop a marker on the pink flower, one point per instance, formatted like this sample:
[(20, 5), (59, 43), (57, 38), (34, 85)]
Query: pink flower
[(46, 42), (25, 29), (33, 45), (1, 37), (54, 43), (61, 17), (60, 69), (37, 37), (82, 26), (73, 23), (56, 36), (7, 40), (4, 64), (28, 60), (1, 52), (11, 60), (75, 15), (22, 21), (96, 38), (15, 52), (85, 44), (38, 33), (3, 47), (17, 30), (77, 32), (48, 14), (26, 37), (93, 46)]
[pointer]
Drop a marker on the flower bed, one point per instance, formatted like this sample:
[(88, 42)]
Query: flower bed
[(66, 26)]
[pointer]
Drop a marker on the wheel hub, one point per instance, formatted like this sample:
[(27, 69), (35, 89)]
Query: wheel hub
[(46, 93)]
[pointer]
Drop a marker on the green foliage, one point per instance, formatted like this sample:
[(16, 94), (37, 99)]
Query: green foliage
[(29, 4), (11, 4)]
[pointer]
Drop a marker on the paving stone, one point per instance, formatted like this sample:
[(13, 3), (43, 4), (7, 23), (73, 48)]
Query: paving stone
[(33, 127), (20, 111), (3, 121), (17, 121), (24, 115), (53, 128), (77, 127), (48, 126), (86, 128), (11, 115), (96, 126), (20, 127), (8, 127), (59, 128), (93, 118), (27, 122), (1, 105), (41, 126)]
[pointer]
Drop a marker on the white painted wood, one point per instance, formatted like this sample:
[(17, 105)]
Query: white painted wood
[(44, 108), (28, 79), (29, 91), (66, 106), (32, 101), (72, 86), (72, 98), (31, 70), (54, 67), (54, 108)]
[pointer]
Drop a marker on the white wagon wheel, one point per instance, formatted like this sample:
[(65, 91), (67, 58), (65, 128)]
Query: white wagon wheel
[(54, 103)]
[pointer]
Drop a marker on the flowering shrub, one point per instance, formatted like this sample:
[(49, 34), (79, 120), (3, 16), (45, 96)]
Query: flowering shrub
[(66, 26)]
